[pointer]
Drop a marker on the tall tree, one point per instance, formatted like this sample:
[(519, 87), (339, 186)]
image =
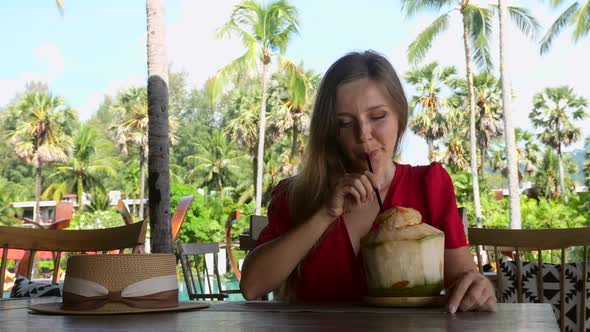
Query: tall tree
[(264, 29), (158, 133), (40, 131), (509, 136), (217, 163), (576, 15), (587, 162), (554, 109), (131, 127), (429, 121), (476, 35), (83, 171)]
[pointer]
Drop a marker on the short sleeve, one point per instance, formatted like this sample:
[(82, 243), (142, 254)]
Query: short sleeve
[(278, 215), (442, 206)]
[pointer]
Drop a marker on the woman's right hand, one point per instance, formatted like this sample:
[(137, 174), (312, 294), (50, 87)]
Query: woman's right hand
[(351, 191)]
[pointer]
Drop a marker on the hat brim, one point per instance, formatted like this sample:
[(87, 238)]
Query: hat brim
[(56, 309)]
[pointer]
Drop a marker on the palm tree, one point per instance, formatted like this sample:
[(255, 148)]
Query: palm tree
[(587, 162), (553, 112), (290, 97), (527, 152), (509, 136), (40, 131), (576, 15), (132, 128), (83, 171), (159, 129), (489, 121), (217, 164), (263, 29), (477, 27), (550, 180), (430, 122)]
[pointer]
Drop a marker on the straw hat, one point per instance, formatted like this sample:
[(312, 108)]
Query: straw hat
[(119, 284)]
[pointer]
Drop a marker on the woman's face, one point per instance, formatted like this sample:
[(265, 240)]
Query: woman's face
[(368, 125)]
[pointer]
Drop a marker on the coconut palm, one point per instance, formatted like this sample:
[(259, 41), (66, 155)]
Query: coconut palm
[(290, 97), (132, 128), (83, 171), (586, 169), (476, 35), (489, 121), (554, 109), (549, 180), (528, 156), (509, 135), (429, 104), (217, 164), (576, 15), (264, 29), (40, 128), (159, 130)]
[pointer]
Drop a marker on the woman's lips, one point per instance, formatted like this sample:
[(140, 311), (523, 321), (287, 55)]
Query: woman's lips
[(371, 153)]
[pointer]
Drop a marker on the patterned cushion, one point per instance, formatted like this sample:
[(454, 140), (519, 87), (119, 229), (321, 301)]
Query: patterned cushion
[(23, 287), (551, 290)]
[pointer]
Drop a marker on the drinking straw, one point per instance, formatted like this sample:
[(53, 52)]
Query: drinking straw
[(376, 190)]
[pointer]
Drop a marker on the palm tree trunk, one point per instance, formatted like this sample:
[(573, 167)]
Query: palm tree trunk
[(295, 145), (511, 157), (80, 193), (471, 96), (261, 134), (482, 159), (141, 183), (561, 176), (158, 136), (37, 215), (430, 150)]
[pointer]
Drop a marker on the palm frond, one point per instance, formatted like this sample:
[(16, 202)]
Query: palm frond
[(525, 22), (582, 21), (557, 26), (419, 47), (411, 7), (480, 30)]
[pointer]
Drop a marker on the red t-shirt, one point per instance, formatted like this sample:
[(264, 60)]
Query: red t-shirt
[(333, 271)]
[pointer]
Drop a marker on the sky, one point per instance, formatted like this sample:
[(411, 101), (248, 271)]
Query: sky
[(98, 48)]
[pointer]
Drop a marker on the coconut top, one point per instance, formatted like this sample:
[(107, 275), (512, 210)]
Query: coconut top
[(400, 224), (398, 217)]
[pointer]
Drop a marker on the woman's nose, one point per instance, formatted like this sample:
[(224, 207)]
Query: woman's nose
[(364, 132)]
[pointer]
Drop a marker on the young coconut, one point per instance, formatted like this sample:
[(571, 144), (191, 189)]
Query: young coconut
[(403, 256)]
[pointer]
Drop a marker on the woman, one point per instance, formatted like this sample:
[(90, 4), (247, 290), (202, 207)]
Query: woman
[(310, 248)]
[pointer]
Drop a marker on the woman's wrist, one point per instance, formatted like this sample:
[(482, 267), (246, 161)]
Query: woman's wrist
[(324, 216)]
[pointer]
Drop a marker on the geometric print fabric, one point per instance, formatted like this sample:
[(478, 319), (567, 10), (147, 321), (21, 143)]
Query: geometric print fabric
[(551, 289)]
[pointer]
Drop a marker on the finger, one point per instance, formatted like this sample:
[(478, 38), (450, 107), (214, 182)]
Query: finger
[(474, 298), (368, 187), (458, 290), (490, 305), (351, 191), (360, 188)]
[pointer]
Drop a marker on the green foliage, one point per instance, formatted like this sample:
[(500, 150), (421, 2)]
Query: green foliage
[(205, 221), (96, 220)]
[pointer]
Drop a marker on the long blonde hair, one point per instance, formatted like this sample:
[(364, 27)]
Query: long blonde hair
[(321, 165)]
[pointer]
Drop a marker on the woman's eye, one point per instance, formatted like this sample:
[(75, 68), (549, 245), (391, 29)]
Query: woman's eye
[(344, 124), (378, 117)]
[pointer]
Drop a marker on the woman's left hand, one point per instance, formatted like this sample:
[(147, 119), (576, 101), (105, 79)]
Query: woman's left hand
[(472, 292)]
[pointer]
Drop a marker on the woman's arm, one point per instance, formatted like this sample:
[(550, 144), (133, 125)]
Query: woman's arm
[(469, 290), (267, 266)]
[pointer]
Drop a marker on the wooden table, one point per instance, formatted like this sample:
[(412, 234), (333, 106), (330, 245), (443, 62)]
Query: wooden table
[(15, 316)]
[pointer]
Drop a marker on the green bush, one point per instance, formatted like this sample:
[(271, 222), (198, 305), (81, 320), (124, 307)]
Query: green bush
[(96, 220)]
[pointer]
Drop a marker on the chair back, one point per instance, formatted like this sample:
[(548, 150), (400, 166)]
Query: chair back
[(58, 241), (197, 274), (64, 211), (528, 243), (180, 214)]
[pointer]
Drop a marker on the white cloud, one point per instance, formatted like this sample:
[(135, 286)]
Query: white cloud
[(51, 56), (192, 45)]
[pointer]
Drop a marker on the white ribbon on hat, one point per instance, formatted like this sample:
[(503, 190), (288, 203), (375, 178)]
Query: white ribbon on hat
[(149, 286)]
